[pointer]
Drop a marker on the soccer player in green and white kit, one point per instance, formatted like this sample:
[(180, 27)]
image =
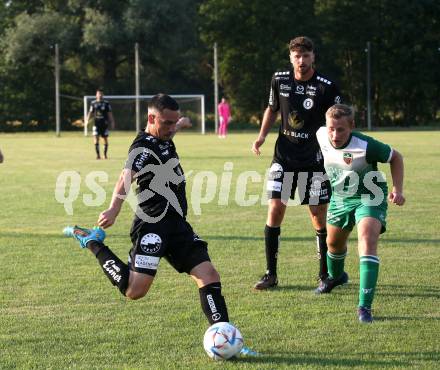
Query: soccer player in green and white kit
[(359, 196)]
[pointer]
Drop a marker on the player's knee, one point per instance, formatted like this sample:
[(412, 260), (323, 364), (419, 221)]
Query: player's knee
[(210, 276), (204, 274), (367, 244), (334, 246), (331, 245), (368, 236), (135, 294), (318, 215), (318, 212), (275, 214)]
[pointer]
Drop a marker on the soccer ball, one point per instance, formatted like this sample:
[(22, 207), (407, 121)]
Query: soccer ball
[(222, 341)]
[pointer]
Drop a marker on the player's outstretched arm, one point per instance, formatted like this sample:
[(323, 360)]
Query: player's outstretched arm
[(183, 122), (89, 116), (269, 119), (108, 217), (397, 170)]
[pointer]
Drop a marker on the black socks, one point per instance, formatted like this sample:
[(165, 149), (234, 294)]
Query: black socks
[(272, 236), (97, 150), (115, 270), (321, 249), (213, 303)]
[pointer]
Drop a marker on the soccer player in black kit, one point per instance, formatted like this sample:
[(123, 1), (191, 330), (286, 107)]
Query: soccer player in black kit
[(302, 97), (159, 228), (101, 111)]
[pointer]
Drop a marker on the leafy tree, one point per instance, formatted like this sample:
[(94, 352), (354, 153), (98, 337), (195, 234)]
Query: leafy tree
[(97, 37), (96, 40), (252, 35), (402, 35), (252, 38)]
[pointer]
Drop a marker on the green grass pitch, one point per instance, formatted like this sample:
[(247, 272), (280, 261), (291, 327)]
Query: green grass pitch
[(58, 310)]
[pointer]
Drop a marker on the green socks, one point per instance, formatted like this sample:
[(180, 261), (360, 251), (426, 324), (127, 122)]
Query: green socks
[(369, 271), (335, 264)]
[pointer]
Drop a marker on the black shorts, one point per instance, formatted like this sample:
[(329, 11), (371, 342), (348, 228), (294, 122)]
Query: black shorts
[(312, 183), (100, 129), (172, 238)]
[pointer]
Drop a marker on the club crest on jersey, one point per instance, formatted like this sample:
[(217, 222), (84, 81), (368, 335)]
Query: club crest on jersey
[(348, 158), (151, 243), (308, 103)]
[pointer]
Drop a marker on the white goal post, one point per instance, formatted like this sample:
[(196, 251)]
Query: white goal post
[(143, 99)]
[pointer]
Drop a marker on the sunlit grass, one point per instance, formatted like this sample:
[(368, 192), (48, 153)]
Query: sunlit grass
[(57, 310)]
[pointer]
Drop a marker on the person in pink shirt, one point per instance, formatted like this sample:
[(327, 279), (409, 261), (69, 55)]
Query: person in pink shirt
[(224, 112)]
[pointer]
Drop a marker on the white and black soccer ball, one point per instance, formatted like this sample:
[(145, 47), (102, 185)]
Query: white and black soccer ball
[(222, 341)]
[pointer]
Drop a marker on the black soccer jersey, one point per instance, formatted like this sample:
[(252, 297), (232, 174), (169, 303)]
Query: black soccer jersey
[(159, 175), (100, 110), (302, 105)]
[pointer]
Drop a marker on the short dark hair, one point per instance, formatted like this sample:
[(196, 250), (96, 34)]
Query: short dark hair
[(160, 102), (302, 44), (100, 89)]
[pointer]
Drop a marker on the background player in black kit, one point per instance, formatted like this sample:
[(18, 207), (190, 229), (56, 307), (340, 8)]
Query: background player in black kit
[(159, 227), (302, 97), (101, 111)]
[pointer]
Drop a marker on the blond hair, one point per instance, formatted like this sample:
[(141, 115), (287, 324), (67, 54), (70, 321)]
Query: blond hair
[(339, 111)]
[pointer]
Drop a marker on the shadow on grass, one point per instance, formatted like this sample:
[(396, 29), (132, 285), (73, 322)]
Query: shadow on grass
[(279, 359), (309, 238), (418, 291), (258, 238), (383, 318), (411, 356), (56, 234), (308, 288), (411, 241)]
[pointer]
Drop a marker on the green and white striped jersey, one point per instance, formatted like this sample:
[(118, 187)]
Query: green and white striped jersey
[(352, 169)]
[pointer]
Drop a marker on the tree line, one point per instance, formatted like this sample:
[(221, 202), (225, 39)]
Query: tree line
[(96, 39)]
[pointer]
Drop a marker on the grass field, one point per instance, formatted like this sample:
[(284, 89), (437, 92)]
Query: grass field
[(57, 309)]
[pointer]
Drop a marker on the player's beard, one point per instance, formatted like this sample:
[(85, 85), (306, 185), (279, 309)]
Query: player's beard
[(305, 69)]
